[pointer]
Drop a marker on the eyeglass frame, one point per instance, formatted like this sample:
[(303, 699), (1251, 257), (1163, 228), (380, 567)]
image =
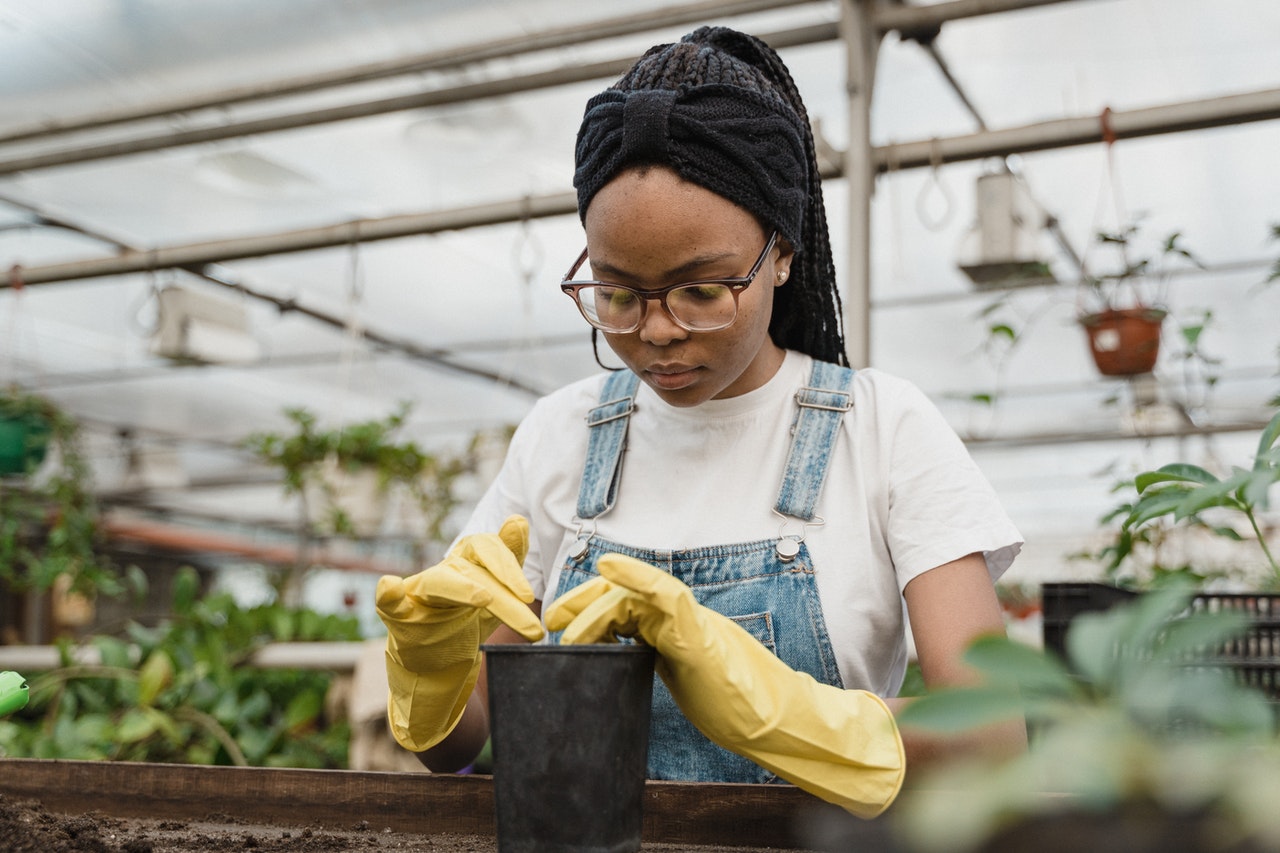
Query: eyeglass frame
[(736, 285)]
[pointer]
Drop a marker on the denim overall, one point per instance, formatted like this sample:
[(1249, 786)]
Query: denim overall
[(767, 587)]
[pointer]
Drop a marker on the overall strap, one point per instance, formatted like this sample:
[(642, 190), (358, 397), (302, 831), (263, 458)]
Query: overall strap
[(821, 405), (608, 424)]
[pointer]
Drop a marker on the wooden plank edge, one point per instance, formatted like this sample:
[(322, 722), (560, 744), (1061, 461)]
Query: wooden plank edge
[(728, 815)]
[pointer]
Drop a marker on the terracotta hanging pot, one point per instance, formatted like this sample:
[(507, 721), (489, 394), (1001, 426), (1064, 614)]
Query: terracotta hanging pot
[(1124, 341)]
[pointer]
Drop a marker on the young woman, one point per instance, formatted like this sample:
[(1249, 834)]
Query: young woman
[(737, 496)]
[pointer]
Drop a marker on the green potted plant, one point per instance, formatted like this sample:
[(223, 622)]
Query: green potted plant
[(1185, 492), (1123, 311), (1139, 742), (49, 518), (344, 474), (1174, 501), (25, 423)]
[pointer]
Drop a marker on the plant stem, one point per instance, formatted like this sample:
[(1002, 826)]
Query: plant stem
[(213, 727), (1262, 542)]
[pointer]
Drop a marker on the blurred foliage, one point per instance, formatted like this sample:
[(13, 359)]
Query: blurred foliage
[(1138, 716), (185, 692), (303, 453), (49, 523)]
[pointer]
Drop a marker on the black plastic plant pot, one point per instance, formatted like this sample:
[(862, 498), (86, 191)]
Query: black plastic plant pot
[(570, 734)]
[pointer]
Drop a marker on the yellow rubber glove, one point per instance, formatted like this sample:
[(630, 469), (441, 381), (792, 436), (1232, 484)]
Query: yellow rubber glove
[(840, 745), (436, 621)]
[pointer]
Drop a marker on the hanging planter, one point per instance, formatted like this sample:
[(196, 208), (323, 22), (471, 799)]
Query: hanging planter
[(1124, 320), (1124, 341), (24, 441), (345, 499), (346, 474)]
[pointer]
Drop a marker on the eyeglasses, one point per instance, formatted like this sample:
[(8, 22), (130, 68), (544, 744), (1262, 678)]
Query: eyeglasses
[(696, 306)]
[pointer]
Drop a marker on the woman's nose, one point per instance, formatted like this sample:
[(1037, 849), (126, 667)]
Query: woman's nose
[(657, 327)]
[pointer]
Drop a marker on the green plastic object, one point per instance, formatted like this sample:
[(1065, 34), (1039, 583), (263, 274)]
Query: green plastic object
[(24, 440), (13, 692)]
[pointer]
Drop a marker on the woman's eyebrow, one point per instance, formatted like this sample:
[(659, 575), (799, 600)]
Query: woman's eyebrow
[(686, 269)]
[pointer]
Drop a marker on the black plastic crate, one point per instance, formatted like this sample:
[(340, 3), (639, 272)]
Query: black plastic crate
[(1254, 656), (1062, 602)]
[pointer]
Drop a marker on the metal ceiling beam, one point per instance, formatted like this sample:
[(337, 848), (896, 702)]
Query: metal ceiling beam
[(901, 18), (439, 358), (1059, 133), (907, 18), (441, 60), (195, 256), (1218, 111), (515, 84), (904, 18)]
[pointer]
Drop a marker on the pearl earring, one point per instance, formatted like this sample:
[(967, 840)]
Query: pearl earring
[(782, 276)]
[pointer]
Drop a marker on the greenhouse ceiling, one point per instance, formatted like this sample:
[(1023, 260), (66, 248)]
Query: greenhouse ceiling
[(364, 204)]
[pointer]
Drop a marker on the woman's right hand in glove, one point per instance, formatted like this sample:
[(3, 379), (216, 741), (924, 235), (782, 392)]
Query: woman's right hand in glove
[(436, 621)]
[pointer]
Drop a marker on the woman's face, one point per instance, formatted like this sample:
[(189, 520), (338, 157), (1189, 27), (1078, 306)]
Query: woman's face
[(649, 228)]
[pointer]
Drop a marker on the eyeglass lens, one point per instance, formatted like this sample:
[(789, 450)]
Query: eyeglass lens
[(695, 306)]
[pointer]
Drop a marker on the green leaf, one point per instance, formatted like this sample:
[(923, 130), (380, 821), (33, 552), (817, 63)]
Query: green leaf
[(1255, 491), (1150, 614), (303, 710), (114, 652), (961, 709), (87, 728), (1091, 644), (1218, 494), (1269, 436), (254, 709), (186, 586), (1191, 637), (155, 675), (256, 743), (1003, 330), (1033, 670), (134, 726), (1227, 533), (282, 624), (1157, 503), (1180, 472)]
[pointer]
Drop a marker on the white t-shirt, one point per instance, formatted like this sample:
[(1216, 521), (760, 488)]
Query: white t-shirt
[(902, 497)]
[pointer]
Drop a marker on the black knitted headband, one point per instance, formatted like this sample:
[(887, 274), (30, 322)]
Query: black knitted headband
[(743, 145)]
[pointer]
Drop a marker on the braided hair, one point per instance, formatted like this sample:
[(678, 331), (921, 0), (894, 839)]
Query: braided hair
[(721, 109)]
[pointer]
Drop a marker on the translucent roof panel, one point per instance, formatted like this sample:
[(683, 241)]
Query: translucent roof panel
[(465, 320)]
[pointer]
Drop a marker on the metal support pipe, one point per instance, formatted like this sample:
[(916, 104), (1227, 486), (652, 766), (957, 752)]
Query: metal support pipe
[(905, 18), (885, 18), (525, 43), (328, 656), (1060, 133), (861, 40), (563, 75), (196, 255), (1063, 133)]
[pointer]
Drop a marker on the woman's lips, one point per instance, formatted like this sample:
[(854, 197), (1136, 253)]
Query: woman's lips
[(672, 377)]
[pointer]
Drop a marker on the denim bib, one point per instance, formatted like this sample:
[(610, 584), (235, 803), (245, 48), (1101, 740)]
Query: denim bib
[(766, 586)]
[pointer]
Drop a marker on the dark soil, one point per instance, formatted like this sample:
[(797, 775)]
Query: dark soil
[(27, 827)]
